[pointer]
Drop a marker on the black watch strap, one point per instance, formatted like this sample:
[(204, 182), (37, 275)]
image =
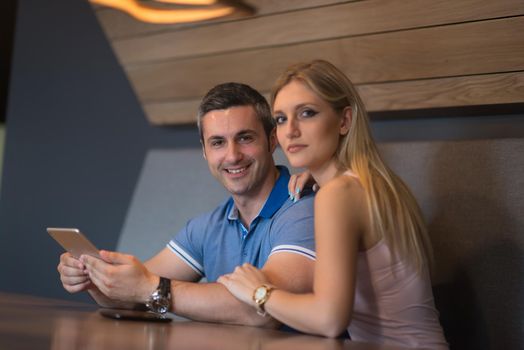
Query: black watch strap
[(164, 286)]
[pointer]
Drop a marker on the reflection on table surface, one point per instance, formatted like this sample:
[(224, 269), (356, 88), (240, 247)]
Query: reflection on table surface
[(39, 323)]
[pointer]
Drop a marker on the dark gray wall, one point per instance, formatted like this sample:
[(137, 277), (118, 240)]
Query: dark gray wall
[(7, 23), (76, 139)]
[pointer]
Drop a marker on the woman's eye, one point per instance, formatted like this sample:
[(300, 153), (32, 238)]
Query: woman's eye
[(308, 113), (280, 119)]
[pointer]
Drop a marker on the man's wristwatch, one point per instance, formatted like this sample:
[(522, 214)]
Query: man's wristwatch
[(260, 297), (160, 300)]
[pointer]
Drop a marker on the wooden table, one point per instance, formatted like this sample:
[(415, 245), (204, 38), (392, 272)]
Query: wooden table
[(38, 323)]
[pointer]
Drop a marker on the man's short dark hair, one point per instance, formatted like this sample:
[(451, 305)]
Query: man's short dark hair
[(227, 95)]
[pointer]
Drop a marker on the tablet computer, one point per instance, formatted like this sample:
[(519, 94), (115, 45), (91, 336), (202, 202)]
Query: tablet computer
[(72, 240)]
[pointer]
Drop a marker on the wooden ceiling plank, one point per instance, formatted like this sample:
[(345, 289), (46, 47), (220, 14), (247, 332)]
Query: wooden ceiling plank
[(343, 20), (119, 25), (464, 49)]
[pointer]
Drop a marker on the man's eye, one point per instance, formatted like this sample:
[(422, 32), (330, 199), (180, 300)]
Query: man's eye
[(216, 143), (245, 139), (280, 119)]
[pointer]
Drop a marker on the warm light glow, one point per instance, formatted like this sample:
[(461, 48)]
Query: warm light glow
[(155, 15), (189, 2)]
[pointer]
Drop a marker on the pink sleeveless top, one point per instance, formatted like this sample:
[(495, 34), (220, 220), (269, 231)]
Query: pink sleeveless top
[(393, 302)]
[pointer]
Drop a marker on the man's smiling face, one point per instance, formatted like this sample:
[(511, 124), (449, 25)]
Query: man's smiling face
[(236, 148)]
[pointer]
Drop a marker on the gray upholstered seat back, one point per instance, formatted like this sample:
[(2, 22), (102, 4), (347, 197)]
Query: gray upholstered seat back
[(174, 186), (472, 194)]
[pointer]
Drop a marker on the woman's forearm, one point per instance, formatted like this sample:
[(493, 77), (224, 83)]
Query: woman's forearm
[(308, 313)]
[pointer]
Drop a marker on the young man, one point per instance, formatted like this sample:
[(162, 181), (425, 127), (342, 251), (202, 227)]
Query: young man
[(258, 224)]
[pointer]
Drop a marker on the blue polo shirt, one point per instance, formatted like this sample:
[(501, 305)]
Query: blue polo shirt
[(215, 243)]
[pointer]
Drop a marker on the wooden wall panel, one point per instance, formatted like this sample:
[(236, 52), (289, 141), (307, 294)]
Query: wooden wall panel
[(443, 51), (172, 112), (403, 55), (342, 20), (449, 92)]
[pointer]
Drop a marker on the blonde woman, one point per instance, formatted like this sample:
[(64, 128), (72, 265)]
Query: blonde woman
[(371, 273)]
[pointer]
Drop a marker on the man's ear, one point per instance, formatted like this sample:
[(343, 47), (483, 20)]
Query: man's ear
[(347, 118), (273, 141)]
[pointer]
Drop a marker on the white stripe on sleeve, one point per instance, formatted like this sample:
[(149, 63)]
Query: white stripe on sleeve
[(175, 248), (288, 248)]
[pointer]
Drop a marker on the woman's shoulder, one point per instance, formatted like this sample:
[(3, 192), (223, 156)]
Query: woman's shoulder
[(342, 190), (342, 201), (345, 183)]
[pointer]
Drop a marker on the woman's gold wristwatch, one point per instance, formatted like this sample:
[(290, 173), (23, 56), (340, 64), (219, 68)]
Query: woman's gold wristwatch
[(260, 297)]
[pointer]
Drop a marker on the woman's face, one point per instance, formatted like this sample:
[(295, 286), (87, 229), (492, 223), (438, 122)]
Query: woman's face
[(308, 128)]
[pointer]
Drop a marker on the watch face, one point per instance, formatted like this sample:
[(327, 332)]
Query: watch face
[(260, 293), (161, 305)]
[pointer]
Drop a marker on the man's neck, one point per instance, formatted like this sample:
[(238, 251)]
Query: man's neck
[(250, 205)]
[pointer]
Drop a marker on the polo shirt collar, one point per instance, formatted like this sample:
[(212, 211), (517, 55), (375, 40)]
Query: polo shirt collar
[(279, 194)]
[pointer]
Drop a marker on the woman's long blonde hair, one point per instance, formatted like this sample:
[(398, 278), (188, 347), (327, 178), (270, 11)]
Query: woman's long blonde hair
[(394, 212)]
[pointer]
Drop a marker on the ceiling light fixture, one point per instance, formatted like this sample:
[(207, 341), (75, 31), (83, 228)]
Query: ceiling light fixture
[(189, 2), (177, 11)]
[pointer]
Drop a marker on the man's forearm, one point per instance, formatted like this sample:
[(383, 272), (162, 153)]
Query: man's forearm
[(211, 302)]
